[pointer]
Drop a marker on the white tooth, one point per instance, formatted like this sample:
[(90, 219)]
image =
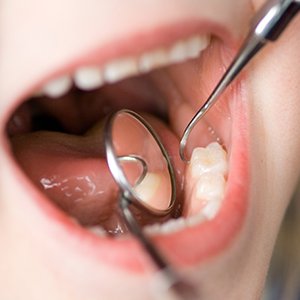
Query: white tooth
[(206, 172), (210, 186), (98, 230), (207, 195), (170, 226), (195, 219), (153, 229), (178, 52), (148, 188), (57, 87), (88, 78), (150, 60), (120, 69), (211, 209), (196, 44), (173, 225), (213, 158)]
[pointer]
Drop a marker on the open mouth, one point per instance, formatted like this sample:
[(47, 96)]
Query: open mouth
[(56, 140)]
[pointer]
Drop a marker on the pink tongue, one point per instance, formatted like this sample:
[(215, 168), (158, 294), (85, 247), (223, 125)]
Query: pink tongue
[(73, 173)]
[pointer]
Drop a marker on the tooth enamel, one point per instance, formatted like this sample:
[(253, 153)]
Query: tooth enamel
[(208, 189), (120, 69), (97, 230), (178, 52), (170, 226), (148, 187), (196, 219), (210, 159), (206, 182), (88, 78), (210, 186), (154, 59), (196, 44), (57, 87), (152, 229), (173, 225), (211, 209)]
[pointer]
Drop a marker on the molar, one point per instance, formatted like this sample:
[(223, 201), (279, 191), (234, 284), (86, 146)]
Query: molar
[(211, 209), (210, 186), (210, 159), (206, 181), (208, 192)]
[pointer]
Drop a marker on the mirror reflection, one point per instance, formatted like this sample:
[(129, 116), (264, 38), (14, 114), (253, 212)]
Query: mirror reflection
[(141, 161)]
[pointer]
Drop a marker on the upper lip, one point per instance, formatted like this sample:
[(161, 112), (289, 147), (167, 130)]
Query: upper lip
[(99, 54)]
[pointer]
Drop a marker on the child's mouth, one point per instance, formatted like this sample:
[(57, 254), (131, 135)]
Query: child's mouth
[(56, 139)]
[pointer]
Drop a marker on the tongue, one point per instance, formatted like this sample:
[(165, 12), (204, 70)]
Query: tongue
[(73, 173)]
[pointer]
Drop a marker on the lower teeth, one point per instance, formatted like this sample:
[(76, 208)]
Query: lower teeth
[(204, 189), (206, 180), (98, 231)]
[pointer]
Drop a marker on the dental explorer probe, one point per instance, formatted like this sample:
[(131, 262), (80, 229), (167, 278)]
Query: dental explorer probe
[(268, 24)]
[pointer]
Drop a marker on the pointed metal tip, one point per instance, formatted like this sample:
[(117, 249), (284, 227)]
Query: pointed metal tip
[(182, 147)]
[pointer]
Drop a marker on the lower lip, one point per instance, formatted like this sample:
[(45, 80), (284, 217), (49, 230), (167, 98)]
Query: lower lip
[(187, 247)]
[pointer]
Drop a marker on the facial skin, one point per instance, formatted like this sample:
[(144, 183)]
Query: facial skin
[(37, 38)]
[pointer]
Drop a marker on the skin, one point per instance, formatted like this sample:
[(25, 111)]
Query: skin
[(273, 90)]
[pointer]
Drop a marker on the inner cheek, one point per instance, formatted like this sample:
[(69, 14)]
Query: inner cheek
[(195, 83)]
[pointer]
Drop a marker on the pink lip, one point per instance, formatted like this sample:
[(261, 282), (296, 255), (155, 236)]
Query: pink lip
[(181, 249)]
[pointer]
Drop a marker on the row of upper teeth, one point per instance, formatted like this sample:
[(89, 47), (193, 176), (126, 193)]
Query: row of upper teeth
[(205, 188), (93, 77)]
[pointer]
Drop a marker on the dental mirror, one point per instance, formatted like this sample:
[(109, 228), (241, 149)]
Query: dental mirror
[(139, 163)]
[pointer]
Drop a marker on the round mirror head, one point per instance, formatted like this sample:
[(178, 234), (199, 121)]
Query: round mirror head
[(139, 163)]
